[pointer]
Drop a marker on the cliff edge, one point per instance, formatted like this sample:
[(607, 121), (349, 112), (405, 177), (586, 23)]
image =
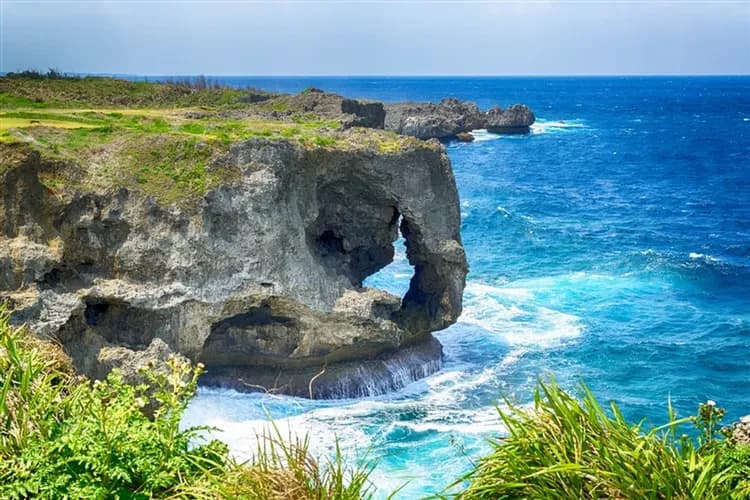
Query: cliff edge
[(237, 232)]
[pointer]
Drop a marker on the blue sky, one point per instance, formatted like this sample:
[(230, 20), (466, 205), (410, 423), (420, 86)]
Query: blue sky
[(376, 37)]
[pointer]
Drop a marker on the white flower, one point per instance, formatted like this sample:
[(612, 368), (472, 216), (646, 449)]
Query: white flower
[(711, 403), (745, 419)]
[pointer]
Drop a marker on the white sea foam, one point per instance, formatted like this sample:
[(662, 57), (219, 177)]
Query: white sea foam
[(702, 256), (482, 421), (478, 288), (440, 405), (548, 126), (481, 135), (436, 404), (541, 126), (510, 314), (513, 356)]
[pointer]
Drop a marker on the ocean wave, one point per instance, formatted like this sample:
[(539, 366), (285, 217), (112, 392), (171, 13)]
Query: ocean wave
[(434, 407), (482, 421), (511, 315), (542, 126), (703, 264), (702, 256), (481, 135)]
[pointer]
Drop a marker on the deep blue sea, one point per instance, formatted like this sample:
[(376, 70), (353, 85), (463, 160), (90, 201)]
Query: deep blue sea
[(610, 245)]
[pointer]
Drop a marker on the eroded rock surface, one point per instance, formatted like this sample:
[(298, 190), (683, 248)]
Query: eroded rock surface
[(426, 120), (516, 119), (261, 280), (453, 118)]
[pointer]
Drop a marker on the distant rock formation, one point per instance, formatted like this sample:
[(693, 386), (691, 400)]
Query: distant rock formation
[(438, 121), (451, 117), (324, 105), (516, 119)]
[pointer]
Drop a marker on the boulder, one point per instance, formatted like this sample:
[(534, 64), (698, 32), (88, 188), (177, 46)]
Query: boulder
[(516, 119), (740, 431), (464, 137)]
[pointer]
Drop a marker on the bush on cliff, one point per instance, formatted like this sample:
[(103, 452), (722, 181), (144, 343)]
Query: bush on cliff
[(571, 448), (62, 436)]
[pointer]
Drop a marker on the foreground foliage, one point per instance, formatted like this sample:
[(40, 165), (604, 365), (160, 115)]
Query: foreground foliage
[(571, 448), (63, 437)]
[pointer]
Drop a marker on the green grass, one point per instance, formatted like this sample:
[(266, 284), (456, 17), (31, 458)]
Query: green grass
[(193, 128), (104, 91), (570, 448)]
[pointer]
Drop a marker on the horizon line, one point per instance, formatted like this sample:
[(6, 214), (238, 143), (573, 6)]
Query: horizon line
[(404, 75)]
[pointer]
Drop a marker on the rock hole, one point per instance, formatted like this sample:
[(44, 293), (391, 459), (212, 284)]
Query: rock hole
[(396, 276), (357, 241), (94, 312), (239, 339), (329, 245)]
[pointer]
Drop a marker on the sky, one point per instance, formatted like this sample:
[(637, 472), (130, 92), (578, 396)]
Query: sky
[(376, 37)]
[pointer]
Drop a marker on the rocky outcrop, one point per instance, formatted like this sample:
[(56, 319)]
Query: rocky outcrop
[(516, 119), (740, 431), (452, 118), (427, 120), (326, 105), (363, 113), (261, 280)]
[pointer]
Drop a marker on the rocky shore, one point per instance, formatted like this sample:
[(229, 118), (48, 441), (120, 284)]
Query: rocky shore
[(237, 233)]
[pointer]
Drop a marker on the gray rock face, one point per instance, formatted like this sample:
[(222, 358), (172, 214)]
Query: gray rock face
[(427, 120), (516, 119), (351, 112), (370, 114), (741, 431), (262, 281)]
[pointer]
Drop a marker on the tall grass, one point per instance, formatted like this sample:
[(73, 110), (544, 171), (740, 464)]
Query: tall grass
[(62, 436), (571, 448)]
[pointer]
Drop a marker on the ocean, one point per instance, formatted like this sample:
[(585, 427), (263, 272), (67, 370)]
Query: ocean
[(611, 246)]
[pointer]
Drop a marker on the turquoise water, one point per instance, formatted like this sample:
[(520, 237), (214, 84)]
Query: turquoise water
[(610, 245)]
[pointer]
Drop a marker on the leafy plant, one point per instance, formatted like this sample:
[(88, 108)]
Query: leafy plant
[(566, 448), (62, 436)]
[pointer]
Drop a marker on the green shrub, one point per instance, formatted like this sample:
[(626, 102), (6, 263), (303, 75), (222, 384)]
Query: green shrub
[(323, 142), (736, 459), (566, 448), (62, 436)]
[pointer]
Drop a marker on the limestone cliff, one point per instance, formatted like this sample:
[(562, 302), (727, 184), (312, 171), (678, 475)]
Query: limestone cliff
[(259, 276)]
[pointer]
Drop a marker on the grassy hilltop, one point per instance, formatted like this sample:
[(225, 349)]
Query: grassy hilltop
[(164, 139)]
